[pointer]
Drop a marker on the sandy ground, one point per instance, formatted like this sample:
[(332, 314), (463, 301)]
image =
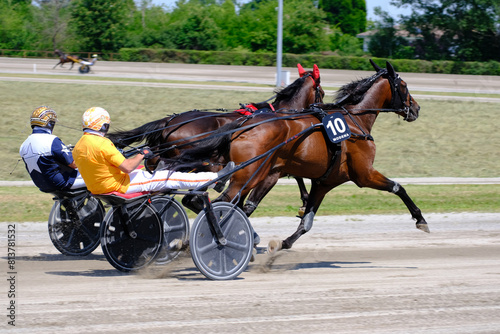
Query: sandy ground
[(355, 274)]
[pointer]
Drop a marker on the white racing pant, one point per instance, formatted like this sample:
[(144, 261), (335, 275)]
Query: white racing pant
[(161, 180)]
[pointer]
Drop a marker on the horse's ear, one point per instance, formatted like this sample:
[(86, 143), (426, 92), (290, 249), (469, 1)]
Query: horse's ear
[(301, 70), (375, 66), (390, 69), (315, 72)]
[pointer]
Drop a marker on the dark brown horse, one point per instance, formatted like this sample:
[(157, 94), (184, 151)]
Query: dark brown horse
[(298, 146), (170, 135), (64, 58)]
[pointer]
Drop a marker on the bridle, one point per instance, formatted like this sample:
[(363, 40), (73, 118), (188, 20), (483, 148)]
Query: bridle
[(398, 98)]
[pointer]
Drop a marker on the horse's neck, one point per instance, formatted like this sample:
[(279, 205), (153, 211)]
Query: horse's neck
[(302, 98), (376, 98)]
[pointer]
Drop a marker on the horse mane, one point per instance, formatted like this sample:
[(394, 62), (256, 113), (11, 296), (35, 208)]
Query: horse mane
[(354, 92), (288, 93)]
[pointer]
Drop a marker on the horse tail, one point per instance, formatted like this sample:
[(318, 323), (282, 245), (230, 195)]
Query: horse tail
[(151, 132), (215, 146)]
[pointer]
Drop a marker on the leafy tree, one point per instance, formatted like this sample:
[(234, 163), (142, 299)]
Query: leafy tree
[(344, 44), (303, 27), (101, 24), (386, 42), (258, 26), (454, 29), (348, 15), (147, 27), (51, 19), (15, 28), (226, 18), (191, 27)]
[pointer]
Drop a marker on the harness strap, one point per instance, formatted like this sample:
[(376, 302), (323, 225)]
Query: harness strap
[(246, 110), (362, 137), (335, 155)]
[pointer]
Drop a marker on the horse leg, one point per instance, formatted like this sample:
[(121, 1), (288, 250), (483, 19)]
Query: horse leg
[(316, 196), (56, 65), (259, 192), (416, 214), (304, 195), (378, 181), (72, 63)]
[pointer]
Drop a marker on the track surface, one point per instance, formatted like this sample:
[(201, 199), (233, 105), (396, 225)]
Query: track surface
[(361, 274), (356, 274), (221, 77)]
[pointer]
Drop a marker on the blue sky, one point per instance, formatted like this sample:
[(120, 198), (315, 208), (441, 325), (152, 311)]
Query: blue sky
[(370, 4)]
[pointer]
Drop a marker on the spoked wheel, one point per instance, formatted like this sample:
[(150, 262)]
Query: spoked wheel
[(135, 245), (216, 261), (175, 226), (74, 225)]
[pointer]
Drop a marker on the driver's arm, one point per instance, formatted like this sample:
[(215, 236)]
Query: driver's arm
[(130, 164)]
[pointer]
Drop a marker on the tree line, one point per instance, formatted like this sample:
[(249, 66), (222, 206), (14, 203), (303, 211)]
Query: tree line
[(465, 30)]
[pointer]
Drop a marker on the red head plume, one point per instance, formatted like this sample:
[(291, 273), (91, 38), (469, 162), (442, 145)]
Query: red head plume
[(315, 72), (301, 70)]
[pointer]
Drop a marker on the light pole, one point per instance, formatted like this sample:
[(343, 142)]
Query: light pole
[(280, 43)]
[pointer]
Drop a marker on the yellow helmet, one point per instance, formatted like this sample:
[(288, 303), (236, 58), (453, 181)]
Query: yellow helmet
[(42, 116), (95, 118)]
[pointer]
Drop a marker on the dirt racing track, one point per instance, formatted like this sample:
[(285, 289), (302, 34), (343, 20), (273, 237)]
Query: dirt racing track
[(361, 274), (349, 274)]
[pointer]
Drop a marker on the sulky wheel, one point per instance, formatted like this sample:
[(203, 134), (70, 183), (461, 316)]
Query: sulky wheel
[(216, 261), (74, 225), (133, 245), (175, 226), (84, 69)]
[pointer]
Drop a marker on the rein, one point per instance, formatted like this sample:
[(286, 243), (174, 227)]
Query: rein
[(239, 128), (268, 153), (190, 120)]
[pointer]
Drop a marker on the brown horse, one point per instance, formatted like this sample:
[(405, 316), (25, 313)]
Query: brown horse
[(64, 58), (298, 146), (170, 135)]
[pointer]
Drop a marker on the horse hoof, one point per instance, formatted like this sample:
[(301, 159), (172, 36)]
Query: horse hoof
[(254, 255), (175, 245), (274, 246), (423, 227)]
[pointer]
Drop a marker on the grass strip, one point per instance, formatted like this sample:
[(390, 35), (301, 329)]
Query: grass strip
[(23, 204)]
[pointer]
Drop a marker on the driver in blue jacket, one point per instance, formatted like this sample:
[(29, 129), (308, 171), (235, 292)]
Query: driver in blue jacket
[(48, 161)]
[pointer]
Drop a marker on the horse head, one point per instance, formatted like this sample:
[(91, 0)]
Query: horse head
[(316, 79), (401, 100)]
